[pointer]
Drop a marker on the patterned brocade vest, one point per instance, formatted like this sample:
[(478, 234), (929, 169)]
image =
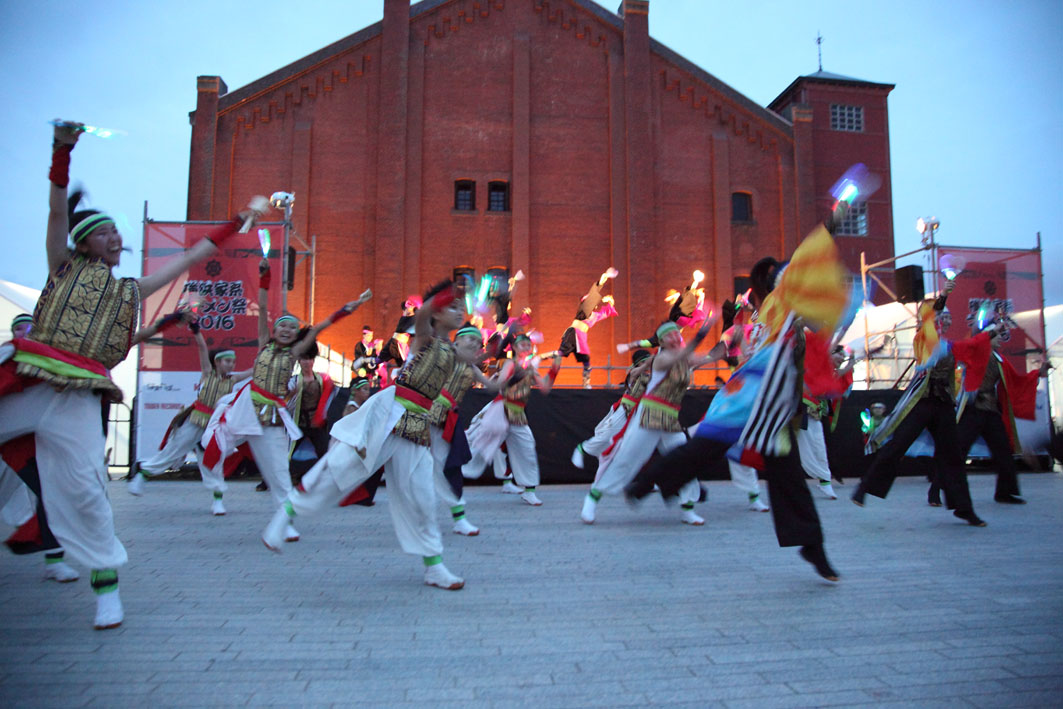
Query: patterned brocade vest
[(658, 416), (273, 369), (86, 311), (516, 395), (211, 388), (634, 393), (460, 381), (425, 373)]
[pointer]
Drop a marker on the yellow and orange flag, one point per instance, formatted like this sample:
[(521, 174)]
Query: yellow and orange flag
[(926, 340), (814, 286)]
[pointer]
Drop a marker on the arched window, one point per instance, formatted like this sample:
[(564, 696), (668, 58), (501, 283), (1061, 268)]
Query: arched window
[(741, 207), (465, 195), (498, 196)]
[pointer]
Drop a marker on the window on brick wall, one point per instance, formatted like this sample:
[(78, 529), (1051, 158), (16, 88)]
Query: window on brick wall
[(498, 196), (848, 118), (465, 195), (855, 221), (741, 207)]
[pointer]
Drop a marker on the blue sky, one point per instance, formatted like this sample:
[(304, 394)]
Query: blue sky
[(974, 120)]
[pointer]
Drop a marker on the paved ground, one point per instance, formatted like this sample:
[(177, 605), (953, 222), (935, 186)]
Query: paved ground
[(636, 610)]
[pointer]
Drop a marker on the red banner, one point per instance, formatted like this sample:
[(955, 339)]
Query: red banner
[(227, 285), (1001, 283)]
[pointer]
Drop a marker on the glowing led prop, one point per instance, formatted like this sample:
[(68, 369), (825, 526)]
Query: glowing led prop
[(984, 311), (263, 240), (699, 276), (91, 130), (951, 266), (865, 420), (856, 185)]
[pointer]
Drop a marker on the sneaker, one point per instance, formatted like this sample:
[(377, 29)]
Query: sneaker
[(756, 505), (136, 484), (970, 518), (818, 558), (439, 576), (692, 517), (531, 498), (1009, 499), (60, 571), (510, 488), (217, 508), (273, 535), (291, 534), (577, 456), (465, 528), (589, 508), (109, 613), (827, 491)]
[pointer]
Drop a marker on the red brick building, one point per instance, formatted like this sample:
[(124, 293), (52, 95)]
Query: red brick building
[(550, 136)]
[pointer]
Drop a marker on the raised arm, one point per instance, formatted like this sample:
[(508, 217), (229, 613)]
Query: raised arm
[(65, 137), (205, 365), (304, 344), (263, 303), (546, 383)]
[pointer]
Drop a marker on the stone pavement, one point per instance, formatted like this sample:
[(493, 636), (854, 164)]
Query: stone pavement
[(637, 610)]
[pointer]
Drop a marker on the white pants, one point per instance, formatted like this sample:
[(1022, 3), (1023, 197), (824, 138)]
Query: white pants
[(632, 452), (608, 427), (408, 469), (520, 444), (68, 432), (182, 441), (270, 450), (744, 477), (440, 451), (813, 449), (16, 501)]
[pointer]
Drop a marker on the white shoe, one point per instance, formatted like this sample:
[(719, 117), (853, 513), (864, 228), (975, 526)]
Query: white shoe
[(273, 535), (827, 491), (755, 505), (439, 576), (217, 508), (136, 485), (109, 613), (531, 498), (510, 488), (466, 528), (291, 534), (577, 457), (692, 517), (589, 508), (60, 571)]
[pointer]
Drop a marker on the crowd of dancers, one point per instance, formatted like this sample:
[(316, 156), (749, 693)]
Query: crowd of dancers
[(780, 339)]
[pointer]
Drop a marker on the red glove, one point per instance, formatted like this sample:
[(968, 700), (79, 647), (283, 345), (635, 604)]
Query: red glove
[(264, 278), (59, 175), (220, 233), (443, 298)]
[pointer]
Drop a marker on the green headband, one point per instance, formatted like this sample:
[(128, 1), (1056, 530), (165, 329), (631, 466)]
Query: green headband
[(359, 384), (225, 353), (282, 318), (86, 225), (470, 332), (19, 319), (665, 328)]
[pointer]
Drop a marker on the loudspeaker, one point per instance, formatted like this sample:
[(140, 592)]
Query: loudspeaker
[(909, 284)]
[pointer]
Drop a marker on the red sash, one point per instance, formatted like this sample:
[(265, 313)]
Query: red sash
[(321, 412), (451, 422)]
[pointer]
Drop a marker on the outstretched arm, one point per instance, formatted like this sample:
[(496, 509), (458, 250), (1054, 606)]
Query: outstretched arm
[(205, 365), (263, 303), (304, 344), (65, 137)]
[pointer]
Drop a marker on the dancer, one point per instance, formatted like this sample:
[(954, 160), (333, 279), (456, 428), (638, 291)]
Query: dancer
[(1002, 395), (504, 421), (57, 378), (359, 394), (754, 415), (655, 424), (928, 403), (613, 423), (450, 448), (367, 356), (826, 378), (256, 413), (21, 325), (312, 394), (391, 429), (593, 308), (186, 429)]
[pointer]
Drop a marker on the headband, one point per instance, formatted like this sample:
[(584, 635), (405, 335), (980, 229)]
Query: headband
[(225, 353), (358, 384), (665, 328), (282, 318), (19, 319), (470, 332), (86, 225)]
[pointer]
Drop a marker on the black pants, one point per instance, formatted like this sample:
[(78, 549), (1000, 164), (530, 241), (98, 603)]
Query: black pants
[(939, 418), (30, 475), (990, 426), (792, 509)]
